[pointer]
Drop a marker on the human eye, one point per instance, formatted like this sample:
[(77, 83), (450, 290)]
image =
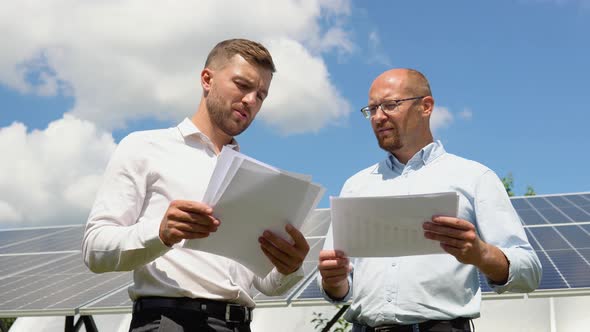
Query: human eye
[(389, 105), (241, 85)]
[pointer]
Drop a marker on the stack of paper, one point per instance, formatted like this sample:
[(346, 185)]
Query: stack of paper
[(388, 226), (249, 197)]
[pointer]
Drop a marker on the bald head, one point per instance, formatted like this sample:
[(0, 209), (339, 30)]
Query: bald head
[(408, 81), (404, 128)]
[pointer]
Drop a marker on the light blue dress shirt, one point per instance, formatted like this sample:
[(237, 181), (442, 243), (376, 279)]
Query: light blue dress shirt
[(412, 289)]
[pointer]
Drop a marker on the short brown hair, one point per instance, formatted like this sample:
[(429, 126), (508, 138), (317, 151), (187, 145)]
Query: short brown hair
[(253, 52)]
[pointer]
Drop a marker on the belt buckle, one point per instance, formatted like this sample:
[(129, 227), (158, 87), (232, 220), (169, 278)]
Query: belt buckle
[(228, 313), (384, 328)]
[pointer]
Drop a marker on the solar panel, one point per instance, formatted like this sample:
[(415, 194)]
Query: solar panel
[(12, 264), (41, 240), (538, 210), (42, 273), (558, 227), (115, 302), (59, 288)]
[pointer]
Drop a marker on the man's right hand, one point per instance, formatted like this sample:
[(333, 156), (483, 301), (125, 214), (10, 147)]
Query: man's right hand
[(334, 267), (187, 220)]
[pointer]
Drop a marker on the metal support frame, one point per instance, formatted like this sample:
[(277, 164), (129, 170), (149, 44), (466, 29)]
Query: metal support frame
[(335, 318), (88, 322)]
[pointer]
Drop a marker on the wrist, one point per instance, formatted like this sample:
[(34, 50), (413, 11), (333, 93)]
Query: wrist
[(337, 291)]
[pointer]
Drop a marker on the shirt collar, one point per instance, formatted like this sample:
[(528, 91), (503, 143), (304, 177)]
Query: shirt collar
[(187, 128), (423, 157)]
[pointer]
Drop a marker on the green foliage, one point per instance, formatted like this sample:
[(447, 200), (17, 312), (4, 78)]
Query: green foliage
[(6, 323), (530, 191), (508, 182), (320, 321)]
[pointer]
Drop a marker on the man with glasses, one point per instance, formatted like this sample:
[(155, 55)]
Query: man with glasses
[(428, 292)]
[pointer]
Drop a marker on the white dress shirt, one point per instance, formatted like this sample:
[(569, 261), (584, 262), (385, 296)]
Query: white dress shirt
[(148, 170), (412, 289)]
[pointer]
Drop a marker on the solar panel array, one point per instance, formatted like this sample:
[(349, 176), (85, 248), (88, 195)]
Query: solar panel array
[(42, 273), (558, 227)]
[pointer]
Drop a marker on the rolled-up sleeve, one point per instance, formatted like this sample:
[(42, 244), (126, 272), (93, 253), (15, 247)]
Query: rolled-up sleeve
[(498, 224)]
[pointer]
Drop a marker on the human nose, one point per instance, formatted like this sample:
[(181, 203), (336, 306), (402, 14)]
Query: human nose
[(250, 98), (379, 114)]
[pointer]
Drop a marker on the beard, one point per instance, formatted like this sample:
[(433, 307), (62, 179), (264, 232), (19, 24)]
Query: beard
[(390, 142), (222, 115)]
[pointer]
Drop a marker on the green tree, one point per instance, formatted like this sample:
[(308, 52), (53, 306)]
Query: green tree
[(508, 182), (320, 321), (5, 323), (530, 191)]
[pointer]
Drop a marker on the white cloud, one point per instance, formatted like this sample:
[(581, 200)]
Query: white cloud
[(441, 118), (376, 54), (308, 110), (51, 176), (123, 60), (466, 113)]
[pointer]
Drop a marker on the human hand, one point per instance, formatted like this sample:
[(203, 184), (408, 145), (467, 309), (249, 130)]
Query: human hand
[(286, 257), (187, 220), (457, 237), (334, 266)]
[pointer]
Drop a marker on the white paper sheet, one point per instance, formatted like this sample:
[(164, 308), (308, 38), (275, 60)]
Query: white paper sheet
[(388, 226), (249, 197)]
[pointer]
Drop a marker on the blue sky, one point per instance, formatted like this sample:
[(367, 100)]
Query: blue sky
[(509, 79)]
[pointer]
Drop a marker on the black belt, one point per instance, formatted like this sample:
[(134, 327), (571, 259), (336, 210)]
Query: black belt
[(461, 324), (229, 312)]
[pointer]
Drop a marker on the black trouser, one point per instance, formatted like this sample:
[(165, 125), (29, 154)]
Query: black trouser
[(455, 325), (186, 315)]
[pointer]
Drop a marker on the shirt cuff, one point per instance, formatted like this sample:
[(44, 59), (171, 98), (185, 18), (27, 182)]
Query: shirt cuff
[(153, 243), (284, 282), (512, 271)]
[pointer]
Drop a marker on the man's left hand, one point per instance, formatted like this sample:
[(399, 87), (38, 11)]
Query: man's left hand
[(286, 257), (457, 237)]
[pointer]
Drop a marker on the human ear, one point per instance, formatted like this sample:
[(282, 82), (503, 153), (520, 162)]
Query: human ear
[(427, 105), (206, 78)]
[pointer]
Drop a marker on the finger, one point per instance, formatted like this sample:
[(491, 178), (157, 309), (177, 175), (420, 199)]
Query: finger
[(175, 214), (453, 222), (192, 206), (331, 254), (334, 273), (456, 243), (334, 279), (282, 245), (334, 264), (280, 265), (444, 230), (190, 227), (286, 257), (297, 236), (176, 235)]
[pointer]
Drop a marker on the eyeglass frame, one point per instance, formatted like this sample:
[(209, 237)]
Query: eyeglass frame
[(367, 113)]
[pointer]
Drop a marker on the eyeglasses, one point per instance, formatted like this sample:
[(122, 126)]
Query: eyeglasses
[(388, 106)]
